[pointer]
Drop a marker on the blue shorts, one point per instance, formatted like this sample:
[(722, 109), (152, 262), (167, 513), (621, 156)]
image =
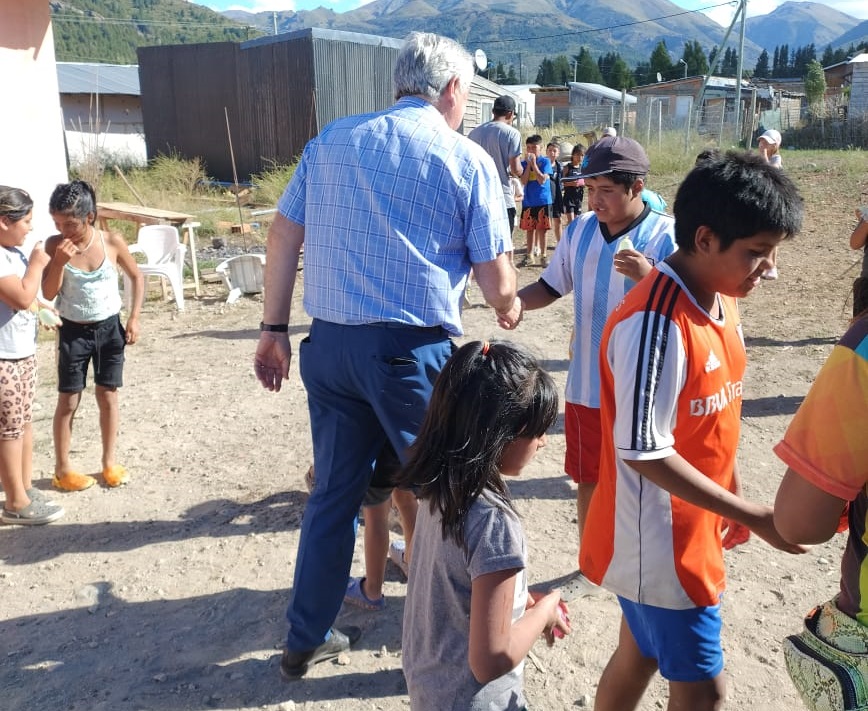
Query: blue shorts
[(685, 643)]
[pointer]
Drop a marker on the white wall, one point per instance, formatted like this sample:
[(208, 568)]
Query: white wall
[(31, 132), (108, 125), (859, 90)]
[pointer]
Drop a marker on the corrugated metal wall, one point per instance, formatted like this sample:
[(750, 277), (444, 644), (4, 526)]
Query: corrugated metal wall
[(184, 91), (277, 111), (352, 78), (278, 93)]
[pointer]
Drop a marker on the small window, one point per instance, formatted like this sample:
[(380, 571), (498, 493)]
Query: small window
[(486, 107)]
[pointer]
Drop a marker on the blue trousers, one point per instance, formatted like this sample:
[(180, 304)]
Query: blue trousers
[(365, 385)]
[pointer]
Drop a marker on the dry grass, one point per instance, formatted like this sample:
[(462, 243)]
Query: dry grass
[(172, 183)]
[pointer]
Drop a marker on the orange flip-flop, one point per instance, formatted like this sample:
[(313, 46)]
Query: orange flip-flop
[(73, 481), (115, 475)]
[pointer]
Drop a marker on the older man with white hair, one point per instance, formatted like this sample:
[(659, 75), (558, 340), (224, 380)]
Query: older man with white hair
[(393, 208)]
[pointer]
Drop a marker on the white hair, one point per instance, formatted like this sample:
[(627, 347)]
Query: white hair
[(427, 63)]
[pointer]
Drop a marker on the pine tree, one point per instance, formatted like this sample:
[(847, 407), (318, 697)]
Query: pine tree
[(620, 77), (587, 69), (694, 56), (661, 61), (784, 58), (761, 70), (643, 74), (712, 57)]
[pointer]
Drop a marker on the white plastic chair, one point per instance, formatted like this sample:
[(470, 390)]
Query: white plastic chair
[(243, 274), (164, 252)]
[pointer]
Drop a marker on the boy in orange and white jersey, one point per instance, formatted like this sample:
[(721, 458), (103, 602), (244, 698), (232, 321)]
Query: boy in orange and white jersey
[(672, 363)]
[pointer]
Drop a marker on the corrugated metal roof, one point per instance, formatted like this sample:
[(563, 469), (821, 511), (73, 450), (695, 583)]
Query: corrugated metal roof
[(88, 78), (315, 33), (604, 91)]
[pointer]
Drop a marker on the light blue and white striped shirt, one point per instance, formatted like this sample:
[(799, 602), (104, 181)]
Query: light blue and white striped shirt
[(583, 263), (396, 207)]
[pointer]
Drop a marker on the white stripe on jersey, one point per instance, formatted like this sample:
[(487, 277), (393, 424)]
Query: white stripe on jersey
[(583, 264)]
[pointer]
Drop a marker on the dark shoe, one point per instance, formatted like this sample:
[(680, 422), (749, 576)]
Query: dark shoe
[(294, 665)]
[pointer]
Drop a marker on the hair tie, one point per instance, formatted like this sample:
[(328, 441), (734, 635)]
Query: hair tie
[(485, 346)]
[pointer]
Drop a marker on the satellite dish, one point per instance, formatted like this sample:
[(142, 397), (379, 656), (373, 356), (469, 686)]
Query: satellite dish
[(659, 76), (480, 60)]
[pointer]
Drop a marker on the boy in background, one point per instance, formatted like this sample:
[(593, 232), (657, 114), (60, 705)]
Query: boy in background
[(536, 206), (502, 141), (672, 363), (604, 252), (553, 150)]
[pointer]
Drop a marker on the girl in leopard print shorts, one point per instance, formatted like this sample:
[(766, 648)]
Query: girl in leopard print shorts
[(19, 284)]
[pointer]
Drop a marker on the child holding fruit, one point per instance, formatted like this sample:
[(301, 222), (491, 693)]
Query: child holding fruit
[(469, 620), (590, 262)]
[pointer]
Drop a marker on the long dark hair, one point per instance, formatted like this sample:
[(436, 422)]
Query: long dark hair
[(487, 395), (76, 198)]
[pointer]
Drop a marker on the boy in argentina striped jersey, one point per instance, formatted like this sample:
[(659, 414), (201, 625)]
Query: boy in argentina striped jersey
[(668, 501), (604, 253)]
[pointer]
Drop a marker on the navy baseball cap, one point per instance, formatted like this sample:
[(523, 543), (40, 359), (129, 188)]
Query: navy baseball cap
[(504, 103)]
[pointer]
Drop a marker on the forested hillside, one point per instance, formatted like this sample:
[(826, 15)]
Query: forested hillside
[(110, 30)]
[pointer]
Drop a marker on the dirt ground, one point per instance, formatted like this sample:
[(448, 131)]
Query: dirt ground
[(169, 593)]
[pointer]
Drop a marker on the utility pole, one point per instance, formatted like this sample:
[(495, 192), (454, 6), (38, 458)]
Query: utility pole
[(739, 68), (742, 7)]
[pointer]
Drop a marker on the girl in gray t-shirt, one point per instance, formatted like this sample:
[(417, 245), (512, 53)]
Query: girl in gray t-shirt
[(468, 620)]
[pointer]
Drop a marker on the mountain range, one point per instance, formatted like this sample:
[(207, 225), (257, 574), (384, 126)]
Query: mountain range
[(799, 24), (518, 29), (515, 32)]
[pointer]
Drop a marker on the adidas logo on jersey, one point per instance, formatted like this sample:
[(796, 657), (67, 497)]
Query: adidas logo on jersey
[(713, 363)]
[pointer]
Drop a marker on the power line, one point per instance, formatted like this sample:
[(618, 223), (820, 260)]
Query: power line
[(603, 29), (79, 20)]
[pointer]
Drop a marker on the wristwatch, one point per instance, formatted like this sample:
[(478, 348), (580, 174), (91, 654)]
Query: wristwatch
[(278, 327)]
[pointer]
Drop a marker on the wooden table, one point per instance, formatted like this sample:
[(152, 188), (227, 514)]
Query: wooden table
[(142, 215)]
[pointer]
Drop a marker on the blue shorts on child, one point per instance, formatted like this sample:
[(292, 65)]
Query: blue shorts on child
[(685, 643)]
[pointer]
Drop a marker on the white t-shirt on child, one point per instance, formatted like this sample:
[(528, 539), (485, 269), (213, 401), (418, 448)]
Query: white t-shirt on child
[(17, 328)]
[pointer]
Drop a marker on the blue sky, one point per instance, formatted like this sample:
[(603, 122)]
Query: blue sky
[(856, 8)]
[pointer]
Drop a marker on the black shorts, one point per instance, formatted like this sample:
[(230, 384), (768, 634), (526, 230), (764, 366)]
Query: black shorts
[(79, 343), (573, 199), (510, 213), (860, 295), (383, 479), (557, 206)]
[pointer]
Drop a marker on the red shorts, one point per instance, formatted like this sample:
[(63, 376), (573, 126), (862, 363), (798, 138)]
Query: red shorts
[(535, 218), (583, 432)]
